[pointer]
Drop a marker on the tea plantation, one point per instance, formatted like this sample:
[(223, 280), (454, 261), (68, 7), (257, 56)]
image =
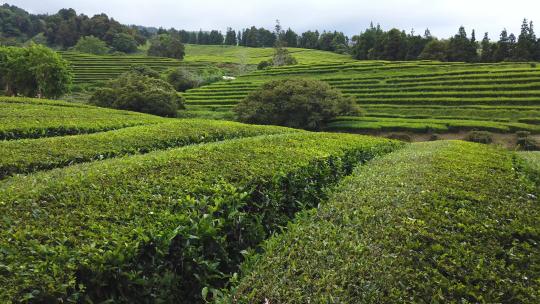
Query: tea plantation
[(418, 96), (100, 205)]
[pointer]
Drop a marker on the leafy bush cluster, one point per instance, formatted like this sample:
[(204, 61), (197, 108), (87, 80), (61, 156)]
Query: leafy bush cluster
[(24, 156), (136, 92), (183, 79), (166, 46), (34, 71), (437, 222), (295, 103), (35, 118), (282, 57), (159, 227), (91, 45)]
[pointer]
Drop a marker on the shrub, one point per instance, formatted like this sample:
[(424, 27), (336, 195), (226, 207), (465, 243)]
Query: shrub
[(165, 45), (482, 137), (135, 92), (91, 45), (264, 65), (182, 79), (144, 70), (434, 137), (420, 225), (282, 57), (296, 103)]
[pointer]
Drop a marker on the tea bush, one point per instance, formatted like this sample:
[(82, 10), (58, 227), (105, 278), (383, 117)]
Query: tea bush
[(437, 222), (161, 226)]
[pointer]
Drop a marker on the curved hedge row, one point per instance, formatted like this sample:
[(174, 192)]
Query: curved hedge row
[(161, 226), (34, 118), (27, 155), (443, 222)]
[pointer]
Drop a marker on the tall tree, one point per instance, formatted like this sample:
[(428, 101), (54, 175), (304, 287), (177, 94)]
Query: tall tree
[(487, 49), (290, 38), (230, 37)]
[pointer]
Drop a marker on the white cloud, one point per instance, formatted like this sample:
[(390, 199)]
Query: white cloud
[(443, 17)]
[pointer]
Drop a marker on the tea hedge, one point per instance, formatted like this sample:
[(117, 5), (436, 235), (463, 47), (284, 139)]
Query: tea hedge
[(161, 226), (27, 155), (34, 118), (439, 222)]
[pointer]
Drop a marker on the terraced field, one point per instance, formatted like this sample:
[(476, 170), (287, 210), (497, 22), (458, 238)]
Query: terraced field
[(503, 97), (89, 69), (108, 206)]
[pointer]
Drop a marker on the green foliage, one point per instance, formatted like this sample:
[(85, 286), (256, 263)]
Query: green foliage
[(421, 225), (91, 45), (264, 65), (162, 226), (35, 118), (34, 71), (283, 57), (140, 93), (482, 137), (182, 79), (296, 103), (24, 156), (166, 46), (144, 70), (124, 43), (435, 50)]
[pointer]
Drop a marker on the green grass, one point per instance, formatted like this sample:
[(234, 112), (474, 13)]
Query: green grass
[(442, 222), (252, 56), (34, 118), (161, 226), (24, 156)]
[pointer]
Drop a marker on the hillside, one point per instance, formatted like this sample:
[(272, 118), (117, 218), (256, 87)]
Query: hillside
[(418, 96)]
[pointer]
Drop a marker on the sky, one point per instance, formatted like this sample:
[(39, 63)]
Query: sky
[(442, 17)]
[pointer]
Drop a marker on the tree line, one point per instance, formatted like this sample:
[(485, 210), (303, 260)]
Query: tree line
[(377, 44), (65, 29)]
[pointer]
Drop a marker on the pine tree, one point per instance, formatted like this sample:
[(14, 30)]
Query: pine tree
[(230, 37), (502, 51), (525, 43), (487, 50)]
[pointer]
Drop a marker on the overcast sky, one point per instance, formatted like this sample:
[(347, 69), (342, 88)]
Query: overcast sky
[(443, 17)]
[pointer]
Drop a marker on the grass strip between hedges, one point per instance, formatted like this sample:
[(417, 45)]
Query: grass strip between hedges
[(440, 222), (161, 226)]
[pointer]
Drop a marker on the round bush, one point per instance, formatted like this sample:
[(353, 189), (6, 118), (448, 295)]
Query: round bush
[(136, 92), (295, 103)]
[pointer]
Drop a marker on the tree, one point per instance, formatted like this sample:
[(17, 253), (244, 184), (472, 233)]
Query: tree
[(290, 38), (502, 50), (435, 50), (91, 45), (525, 47), (487, 49), (136, 92), (230, 37), (124, 43), (296, 103), (395, 45), (461, 48), (215, 38), (165, 45), (34, 71), (309, 40)]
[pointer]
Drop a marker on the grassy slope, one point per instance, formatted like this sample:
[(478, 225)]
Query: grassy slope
[(436, 222)]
